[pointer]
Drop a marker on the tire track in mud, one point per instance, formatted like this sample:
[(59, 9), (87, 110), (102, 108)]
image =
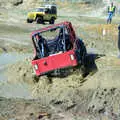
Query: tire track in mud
[(13, 41)]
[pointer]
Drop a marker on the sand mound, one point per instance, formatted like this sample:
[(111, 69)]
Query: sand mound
[(49, 90), (105, 100), (21, 72)]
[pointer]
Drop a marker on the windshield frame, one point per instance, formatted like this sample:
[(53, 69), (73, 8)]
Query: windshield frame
[(40, 10)]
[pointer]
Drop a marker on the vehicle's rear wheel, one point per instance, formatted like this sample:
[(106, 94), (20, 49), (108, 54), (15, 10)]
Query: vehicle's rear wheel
[(39, 20), (29, 21), (52, 21)]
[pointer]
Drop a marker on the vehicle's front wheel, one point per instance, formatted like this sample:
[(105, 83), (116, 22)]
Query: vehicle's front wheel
[(39, 20), (82, 52), (29, 21), (52, 21)]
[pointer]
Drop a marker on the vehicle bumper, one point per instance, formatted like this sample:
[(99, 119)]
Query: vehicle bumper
[(53, 62)]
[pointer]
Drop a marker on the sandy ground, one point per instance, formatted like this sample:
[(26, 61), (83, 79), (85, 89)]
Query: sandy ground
[(26, 97)]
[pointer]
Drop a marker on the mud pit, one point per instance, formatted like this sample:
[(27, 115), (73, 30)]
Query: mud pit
[(70, 98), (95, 96)]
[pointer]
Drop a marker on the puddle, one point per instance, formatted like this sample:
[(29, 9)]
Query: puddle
[(2, 77), (9, 58), (16, 90), (92, 51)]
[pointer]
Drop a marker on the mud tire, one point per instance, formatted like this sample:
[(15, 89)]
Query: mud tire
[(29, 21), (52, 21), (39, 20)]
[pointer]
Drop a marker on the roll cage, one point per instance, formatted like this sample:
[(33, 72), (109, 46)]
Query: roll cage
[(61, 43)]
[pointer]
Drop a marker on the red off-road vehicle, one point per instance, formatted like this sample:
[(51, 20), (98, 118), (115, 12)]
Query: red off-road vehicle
[(56, 47)]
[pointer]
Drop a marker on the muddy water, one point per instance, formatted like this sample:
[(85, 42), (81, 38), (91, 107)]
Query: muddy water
[(92, 51), (2, 76), (19, 90), (9, 58), (15, 90)]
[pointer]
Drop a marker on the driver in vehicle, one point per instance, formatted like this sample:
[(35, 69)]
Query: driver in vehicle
[(42, 43)]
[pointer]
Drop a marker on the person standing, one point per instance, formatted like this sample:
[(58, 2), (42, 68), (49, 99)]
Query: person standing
[(111, 12)]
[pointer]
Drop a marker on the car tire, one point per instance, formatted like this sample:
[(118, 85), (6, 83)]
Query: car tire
[(29, 21), (39, 20), (52, 21)]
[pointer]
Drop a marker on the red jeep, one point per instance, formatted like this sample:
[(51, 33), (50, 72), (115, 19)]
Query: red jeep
[(56, 47)]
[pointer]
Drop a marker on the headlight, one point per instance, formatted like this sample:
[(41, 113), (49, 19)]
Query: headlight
[(72, 57), (36, 67)]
